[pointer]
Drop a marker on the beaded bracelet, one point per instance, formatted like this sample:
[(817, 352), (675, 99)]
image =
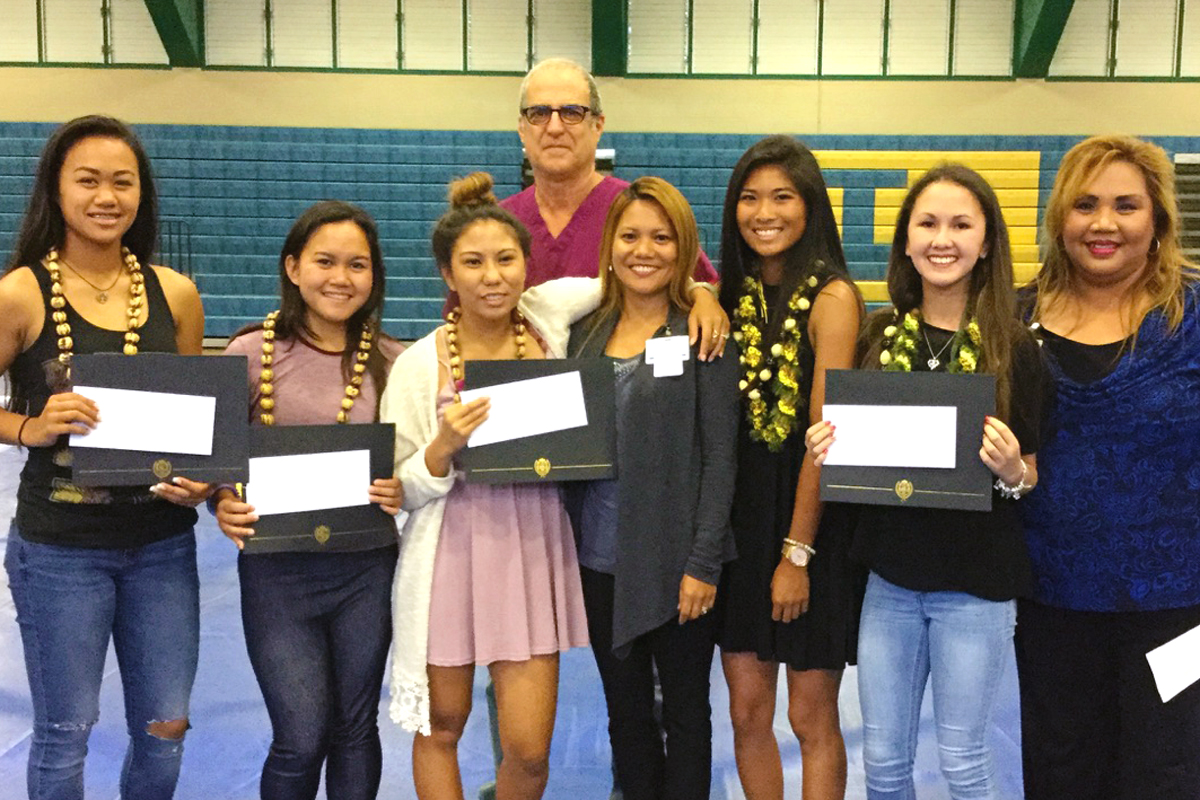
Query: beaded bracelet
[(1013, 492)]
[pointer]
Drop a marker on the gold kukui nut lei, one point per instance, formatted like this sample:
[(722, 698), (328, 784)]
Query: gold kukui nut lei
[(452, 345), (266, 386), (58, 302)]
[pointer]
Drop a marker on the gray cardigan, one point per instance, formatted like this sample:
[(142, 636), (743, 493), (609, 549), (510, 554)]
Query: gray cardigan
[(676, 478)]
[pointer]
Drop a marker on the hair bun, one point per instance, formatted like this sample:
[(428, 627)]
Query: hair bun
[(473, 190)]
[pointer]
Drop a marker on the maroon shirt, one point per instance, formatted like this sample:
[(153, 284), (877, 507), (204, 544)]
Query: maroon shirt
[(575, 252)]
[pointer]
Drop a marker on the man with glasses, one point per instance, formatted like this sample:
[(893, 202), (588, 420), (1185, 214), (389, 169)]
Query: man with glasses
[(560, 125)]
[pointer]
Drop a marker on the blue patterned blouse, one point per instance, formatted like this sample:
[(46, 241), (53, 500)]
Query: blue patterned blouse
[(1114, 524)]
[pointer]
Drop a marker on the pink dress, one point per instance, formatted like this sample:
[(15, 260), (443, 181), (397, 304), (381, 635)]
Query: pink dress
[(505, 575)]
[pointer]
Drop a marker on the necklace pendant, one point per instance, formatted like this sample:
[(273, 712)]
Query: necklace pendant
[(102, 297), (933, 363)]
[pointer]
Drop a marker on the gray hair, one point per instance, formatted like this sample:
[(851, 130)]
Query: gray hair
[(565, 64)]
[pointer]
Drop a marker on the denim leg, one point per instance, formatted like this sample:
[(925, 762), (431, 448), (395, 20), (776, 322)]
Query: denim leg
[(361, 633), (288, 644), (969, 643), (893, 666), (65, 600), (156, 634)]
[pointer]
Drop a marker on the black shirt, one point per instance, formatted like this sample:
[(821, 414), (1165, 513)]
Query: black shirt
[(1083, 363), (981, 553), (51, 509)]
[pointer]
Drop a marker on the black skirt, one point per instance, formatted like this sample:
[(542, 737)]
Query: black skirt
[(826, 636)]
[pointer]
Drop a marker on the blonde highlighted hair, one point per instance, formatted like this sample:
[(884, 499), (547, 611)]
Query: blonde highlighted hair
[(1168, 271), (683, 225)]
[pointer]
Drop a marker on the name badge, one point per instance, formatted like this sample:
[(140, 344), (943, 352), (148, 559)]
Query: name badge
[(667, 354)]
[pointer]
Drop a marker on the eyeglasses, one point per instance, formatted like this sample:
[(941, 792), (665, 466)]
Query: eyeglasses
[(540, 115)]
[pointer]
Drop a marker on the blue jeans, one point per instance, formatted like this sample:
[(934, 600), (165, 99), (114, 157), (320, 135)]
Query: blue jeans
[(70, 601), (318, 626), (906, 637)]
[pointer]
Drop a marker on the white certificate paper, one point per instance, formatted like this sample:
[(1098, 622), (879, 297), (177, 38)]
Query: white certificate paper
[(154, 422), (1176, 664), (311, 482), (529, 408), (893, 436)]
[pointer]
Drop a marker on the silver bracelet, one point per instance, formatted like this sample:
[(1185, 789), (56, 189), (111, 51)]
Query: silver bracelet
[(1013, 492)]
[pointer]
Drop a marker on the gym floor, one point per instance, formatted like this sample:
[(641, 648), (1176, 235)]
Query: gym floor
[(231, 733)]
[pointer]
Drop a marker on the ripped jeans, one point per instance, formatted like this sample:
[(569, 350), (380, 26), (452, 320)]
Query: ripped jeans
[(70, 601)]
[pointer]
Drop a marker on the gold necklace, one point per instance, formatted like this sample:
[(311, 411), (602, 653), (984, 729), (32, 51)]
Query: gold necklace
[(456, 361), (266, 388), (101, 294), (58, 302)]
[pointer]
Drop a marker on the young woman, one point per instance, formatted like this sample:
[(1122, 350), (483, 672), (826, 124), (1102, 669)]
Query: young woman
[(940, 599), (791, 596), (653, 541), (318, 625), (1114, 529), (488, 574), (86, 564)]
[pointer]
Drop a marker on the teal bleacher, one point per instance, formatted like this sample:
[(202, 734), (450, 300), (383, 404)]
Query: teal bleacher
[(238, 189)]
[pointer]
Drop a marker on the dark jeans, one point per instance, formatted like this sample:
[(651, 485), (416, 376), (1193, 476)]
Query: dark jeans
[(682, 655), (317, 628), (70, 601), (1093, 725)]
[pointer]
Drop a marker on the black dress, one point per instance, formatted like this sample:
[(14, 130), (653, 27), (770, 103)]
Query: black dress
[(826, 636)]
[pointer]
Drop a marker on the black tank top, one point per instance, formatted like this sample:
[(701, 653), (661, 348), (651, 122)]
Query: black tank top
[(50, 508)]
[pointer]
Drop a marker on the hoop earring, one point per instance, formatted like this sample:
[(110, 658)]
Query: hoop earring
[(1156, 245)]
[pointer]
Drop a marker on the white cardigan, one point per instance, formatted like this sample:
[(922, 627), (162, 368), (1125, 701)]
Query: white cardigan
[(410, 401)]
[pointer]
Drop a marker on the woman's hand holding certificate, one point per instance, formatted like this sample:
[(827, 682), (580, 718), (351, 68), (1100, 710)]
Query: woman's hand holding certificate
[(65, 412), (458, 423)]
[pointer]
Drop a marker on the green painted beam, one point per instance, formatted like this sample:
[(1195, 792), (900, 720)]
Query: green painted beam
[(180, 25), (1037, 29), (610, 37)]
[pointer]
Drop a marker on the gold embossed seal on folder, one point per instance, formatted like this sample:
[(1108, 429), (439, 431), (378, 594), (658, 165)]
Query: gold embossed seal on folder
[(542, 467), (161, 468), (321, 533), (904, 489)]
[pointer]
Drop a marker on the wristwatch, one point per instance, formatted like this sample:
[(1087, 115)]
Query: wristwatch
[(798, 553)]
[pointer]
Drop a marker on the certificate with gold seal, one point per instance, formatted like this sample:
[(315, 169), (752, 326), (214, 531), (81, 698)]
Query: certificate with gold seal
[(549, 420), (161, 415), (908, 439), (309, 483)]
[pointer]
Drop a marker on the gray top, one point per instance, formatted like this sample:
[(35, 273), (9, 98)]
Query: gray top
[(598, 527), (676, 463)]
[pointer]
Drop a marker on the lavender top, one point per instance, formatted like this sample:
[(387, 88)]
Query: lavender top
[(309, 384), (575, 252)]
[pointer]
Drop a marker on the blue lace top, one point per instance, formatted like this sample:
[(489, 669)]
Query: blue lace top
[(1114, 524)]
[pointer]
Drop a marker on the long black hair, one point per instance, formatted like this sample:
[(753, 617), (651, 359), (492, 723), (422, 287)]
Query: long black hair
[(819, 249), (43, 227), (292, 321)]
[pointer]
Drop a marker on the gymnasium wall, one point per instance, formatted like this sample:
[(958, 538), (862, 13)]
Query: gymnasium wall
[(239, 154)]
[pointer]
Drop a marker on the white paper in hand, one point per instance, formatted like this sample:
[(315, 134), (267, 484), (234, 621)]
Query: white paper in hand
[(529, 407), (153, 422), (1176, 664), (310, 482), (893, 436)]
